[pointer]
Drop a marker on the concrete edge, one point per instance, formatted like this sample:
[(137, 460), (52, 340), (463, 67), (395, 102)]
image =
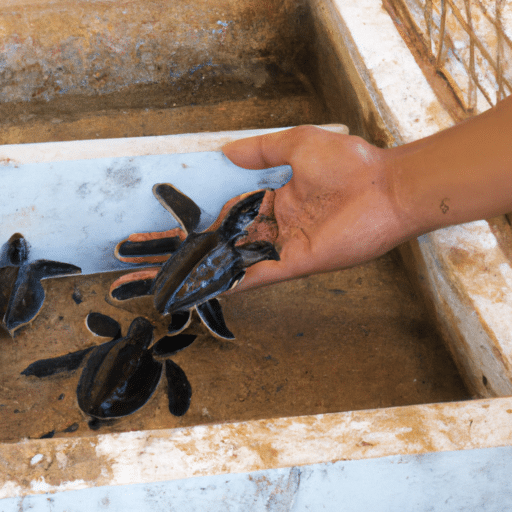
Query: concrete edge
[(55, 465)]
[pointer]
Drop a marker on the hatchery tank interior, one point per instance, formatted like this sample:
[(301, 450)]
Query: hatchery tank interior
[(356, 339)]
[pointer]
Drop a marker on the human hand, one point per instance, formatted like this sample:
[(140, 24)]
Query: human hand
[(337, 210)]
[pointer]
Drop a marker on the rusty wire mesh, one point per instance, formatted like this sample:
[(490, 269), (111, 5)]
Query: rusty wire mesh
[(470, 44)]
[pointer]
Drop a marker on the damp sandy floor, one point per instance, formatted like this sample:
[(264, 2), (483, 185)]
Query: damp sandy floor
[(355, 339)]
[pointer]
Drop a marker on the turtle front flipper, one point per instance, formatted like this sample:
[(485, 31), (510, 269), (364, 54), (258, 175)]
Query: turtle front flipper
[(67, 363), (43, 269), (149, 247), (103, 325), (134, 285), (182, 208), (27, 295), (210, 313), (170, 345)]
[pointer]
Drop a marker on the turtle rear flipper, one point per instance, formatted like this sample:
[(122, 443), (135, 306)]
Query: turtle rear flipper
[(170, 345), (182, 208), (180, 320), (210, 313), (156, 250), (241, 215)]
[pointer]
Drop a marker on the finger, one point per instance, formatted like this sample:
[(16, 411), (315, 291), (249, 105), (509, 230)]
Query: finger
[(267, 150), (295, 262), (260, 274)]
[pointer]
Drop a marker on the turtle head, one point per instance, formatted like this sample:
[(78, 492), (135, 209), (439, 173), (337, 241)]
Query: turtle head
[(257, 251), (16, 250), (241, 215)]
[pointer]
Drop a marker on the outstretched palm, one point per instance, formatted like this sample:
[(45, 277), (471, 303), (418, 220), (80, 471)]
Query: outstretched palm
[(337, 210)]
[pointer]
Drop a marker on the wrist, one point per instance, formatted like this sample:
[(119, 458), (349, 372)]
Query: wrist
[(403, 193)]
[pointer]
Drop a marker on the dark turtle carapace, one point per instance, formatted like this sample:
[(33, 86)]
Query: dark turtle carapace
[(204, 264), (121, 375), (21, 292)]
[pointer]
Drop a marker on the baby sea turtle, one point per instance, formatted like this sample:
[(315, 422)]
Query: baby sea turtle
[(203, 265), (21, 292), (121, 375)]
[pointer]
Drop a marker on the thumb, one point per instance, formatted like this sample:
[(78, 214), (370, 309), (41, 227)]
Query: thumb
[(268, 150), (295, 262)]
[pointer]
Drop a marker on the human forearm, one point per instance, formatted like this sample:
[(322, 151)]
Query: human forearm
[(457, 175)]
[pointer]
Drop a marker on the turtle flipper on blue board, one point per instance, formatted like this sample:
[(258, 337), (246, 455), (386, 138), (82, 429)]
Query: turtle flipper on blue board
[(181, 207), (130, 251)]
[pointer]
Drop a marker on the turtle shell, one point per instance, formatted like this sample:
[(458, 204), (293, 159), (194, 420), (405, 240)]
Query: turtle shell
[(209, 263), (120, 376)]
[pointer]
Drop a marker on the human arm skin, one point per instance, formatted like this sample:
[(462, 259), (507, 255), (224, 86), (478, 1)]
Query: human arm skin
[(349, 201)]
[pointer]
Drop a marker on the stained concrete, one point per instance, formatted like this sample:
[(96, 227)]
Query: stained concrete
[(357, 339)]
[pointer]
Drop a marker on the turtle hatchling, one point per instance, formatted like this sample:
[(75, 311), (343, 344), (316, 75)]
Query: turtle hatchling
[(204, 264), (120, 375), (21, 292)]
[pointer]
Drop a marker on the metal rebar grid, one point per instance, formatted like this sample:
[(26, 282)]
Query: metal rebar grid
[(468, 41)]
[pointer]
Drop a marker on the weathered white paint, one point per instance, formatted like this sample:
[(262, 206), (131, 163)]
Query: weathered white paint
[(474, 300), (469, 276), (428, 457), (64, 207), (473, 481), (17, 154), (162, 455), (394, 74), (84, 199)]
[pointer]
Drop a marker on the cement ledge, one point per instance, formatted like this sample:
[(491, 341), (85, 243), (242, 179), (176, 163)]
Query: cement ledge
[(55, 465), (468, 276)]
